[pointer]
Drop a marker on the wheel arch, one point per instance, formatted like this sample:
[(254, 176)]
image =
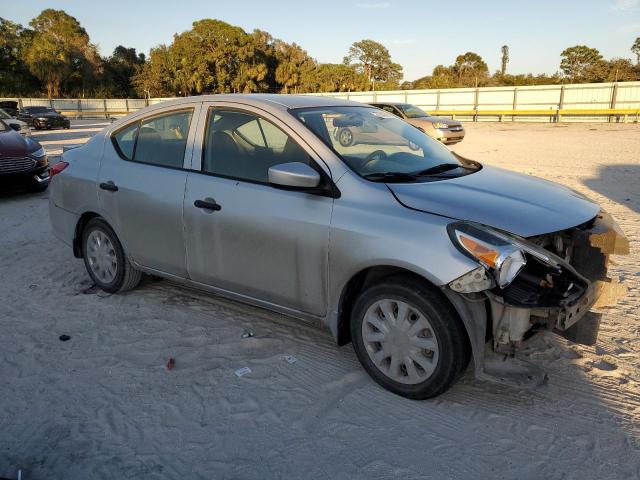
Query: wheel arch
[(77, 237), (367, 276)]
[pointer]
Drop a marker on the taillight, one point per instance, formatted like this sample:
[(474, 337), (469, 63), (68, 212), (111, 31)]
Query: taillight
[(57, 168)]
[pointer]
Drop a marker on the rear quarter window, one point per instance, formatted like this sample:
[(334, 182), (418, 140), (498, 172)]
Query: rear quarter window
[(125, 141)]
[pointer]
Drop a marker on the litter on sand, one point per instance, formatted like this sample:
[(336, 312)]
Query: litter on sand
[(290, 359), (241, 372), (170, 364), (247, 334), (64, 338)]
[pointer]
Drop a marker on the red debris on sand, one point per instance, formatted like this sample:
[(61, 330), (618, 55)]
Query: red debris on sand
[(170, 364)]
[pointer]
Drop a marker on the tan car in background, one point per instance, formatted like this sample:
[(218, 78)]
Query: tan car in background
[(443, 129)]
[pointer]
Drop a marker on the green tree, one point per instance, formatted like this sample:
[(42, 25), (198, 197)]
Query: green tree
[(579, 63), (217, 57), (635, 48), (292, 62), (60, 51), (614, 70), (15, 77), (504, 59), (332, 77), (374, 61), (470, 69), (120, 69), (154, 78)]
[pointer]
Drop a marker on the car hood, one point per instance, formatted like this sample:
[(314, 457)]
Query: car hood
[(510, 201), (47, 115), (429, 120), (13, 121), (12, 144)]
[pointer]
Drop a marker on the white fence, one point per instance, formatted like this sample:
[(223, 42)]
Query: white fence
[(618, 102), (576, 102)]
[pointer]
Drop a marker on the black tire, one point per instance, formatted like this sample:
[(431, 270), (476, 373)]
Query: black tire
[(39, 187), (127, 277), (453, 345)]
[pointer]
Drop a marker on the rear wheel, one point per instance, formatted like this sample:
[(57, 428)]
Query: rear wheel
[(345, 137), (408, 337), (105, 259)]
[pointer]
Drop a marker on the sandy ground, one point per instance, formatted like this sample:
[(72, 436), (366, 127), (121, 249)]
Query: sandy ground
[(103, 405)]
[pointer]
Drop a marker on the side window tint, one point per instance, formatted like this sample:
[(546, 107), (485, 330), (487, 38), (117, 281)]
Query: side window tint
[(126, 140), (276, 138), (162, 140), (244, 146), (252, 132)]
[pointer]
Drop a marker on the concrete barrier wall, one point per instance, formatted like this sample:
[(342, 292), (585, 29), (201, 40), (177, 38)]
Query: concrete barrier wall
[(576, 102)]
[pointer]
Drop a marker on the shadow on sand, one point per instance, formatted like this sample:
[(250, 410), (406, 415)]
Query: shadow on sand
[(620, 183)]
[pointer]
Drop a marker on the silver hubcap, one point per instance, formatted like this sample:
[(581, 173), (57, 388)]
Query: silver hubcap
[(346, 137), (400, 341), (102, 256)]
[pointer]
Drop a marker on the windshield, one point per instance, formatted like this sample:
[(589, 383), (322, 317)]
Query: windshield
[(39, 110), (381, 147), (411, 111)]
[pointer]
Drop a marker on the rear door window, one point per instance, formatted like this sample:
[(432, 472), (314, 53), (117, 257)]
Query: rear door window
[(160, 140)]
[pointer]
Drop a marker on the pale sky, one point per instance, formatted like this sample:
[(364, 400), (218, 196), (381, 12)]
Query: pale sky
[(419, 34)]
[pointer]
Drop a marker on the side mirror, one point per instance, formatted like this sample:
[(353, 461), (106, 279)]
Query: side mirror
[(15, 126), (293, 175)]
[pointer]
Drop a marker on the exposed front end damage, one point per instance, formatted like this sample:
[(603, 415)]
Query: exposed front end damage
[(560, 288)]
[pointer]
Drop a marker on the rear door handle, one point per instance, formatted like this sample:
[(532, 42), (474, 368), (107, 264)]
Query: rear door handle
[(109, 186), (207, 205)]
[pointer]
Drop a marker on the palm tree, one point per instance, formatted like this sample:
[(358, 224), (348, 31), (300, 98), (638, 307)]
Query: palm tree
[(505, 59)]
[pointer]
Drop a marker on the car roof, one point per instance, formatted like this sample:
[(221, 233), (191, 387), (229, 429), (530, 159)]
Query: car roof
[(389, 103), (267, 101), (271, 100)]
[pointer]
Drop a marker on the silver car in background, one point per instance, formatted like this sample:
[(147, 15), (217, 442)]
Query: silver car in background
[(443, 129), (18, 125), (420, 258)]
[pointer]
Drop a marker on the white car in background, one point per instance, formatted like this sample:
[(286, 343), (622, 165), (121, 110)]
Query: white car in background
[(18, 125)]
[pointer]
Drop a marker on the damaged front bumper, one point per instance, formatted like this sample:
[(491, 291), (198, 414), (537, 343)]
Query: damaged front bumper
[(563, 295)]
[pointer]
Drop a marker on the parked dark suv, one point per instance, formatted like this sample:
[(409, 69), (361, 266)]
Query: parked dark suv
[(23, 161), (42, 118)]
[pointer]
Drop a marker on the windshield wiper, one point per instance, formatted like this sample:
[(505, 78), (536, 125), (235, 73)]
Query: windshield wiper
[(390, 177), (441, 168)]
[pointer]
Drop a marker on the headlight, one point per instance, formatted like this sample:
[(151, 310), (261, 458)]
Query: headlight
[(497, 252), (440, 125), (39, 153)]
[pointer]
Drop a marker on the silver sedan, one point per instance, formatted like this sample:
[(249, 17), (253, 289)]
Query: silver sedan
[(422, 259)]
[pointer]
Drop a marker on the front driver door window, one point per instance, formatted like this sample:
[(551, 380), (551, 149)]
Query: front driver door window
[(244, 146), (263, 242)]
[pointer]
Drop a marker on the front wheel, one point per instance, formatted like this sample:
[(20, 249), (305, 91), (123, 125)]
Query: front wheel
[(409, 338), (345, 137), (105, 259)]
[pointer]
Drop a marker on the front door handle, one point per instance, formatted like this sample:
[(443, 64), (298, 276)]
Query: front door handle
[(207, 205), (109, 186)]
